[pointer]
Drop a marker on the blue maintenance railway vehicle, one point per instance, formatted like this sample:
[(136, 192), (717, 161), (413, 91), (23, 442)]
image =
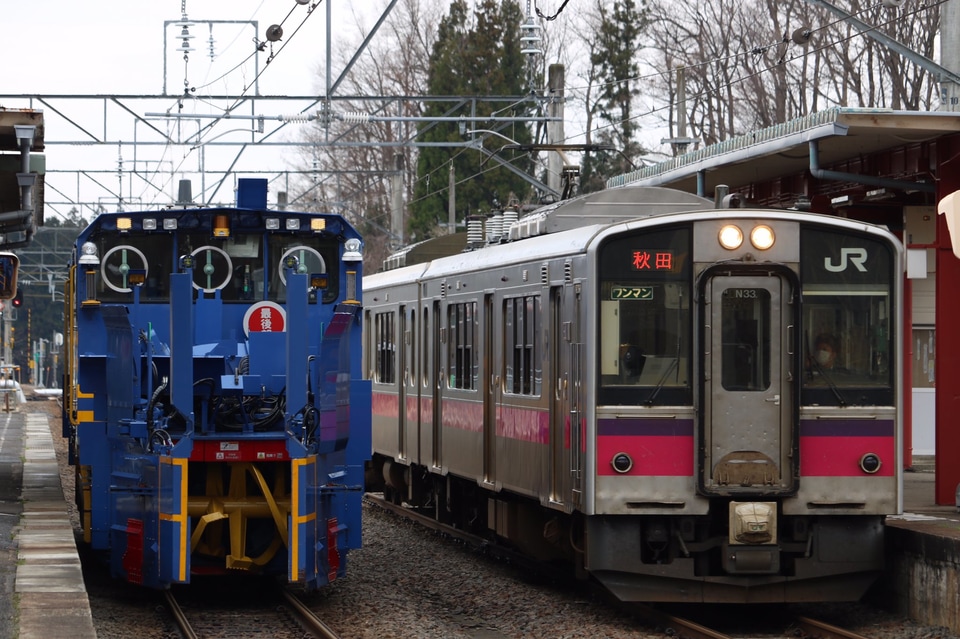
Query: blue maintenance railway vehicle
[(213, 393)]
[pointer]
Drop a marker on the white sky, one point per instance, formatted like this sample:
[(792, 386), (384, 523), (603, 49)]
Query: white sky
[(116, 47)]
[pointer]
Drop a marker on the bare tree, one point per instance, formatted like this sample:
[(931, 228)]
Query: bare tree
[(754, 63), (354, 164)]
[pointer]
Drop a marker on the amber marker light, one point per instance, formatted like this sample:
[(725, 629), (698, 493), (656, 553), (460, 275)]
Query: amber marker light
[(221, 226)]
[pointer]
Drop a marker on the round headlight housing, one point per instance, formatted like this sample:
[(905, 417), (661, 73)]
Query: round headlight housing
[(731, 237), (870, 463), (622, 463), (762, 237)]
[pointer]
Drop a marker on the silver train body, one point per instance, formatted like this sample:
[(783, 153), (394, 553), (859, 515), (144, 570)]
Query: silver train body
[(609, 385)]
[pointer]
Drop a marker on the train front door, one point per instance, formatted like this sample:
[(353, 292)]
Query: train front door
[(747, 394)]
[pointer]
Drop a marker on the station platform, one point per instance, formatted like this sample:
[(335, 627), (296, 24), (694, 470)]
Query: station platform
[(40, 573)]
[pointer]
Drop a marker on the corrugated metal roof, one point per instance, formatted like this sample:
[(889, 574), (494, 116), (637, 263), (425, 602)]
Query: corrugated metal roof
[(842, 133)]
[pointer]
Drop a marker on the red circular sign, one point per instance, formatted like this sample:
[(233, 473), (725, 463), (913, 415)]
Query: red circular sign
[(265, 317)]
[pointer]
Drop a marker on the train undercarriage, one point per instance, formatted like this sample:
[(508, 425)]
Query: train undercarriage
[(656, 558)]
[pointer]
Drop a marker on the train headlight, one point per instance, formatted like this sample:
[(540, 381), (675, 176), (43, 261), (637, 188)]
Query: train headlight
[(870, 463), (622, 463), (351, 250), (762, 237), (731, 237), (88, 254), (292, 224), (149, 224), (272, 224)]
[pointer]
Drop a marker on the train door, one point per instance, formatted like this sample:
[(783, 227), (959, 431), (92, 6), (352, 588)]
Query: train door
[(748, 429), (491, 390), (411, 379), (557, 387), (435, 368), (574, 391), (401, 351)]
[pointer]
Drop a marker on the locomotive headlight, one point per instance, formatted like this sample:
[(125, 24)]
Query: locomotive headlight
[(149, 224), (124, 224), (88, 254), (293, 224), (762, 237), (870, 463), (351, 250), (622, 463), (272, 223), (731, 237)]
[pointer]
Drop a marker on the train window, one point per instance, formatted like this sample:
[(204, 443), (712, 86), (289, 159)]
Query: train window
[(522, 374), (385, 347), (644, 325), (315, 255), (848, 318), (134, 258), (462, 352), (745, 331)]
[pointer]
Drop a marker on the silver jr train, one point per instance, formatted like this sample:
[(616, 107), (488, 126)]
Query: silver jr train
[(686, 402)]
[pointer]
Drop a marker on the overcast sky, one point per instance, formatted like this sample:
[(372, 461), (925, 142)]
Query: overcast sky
[(129, 48), (117, 46)]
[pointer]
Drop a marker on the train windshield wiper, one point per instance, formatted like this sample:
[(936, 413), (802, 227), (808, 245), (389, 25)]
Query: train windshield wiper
[(663, 380), (829, 380)]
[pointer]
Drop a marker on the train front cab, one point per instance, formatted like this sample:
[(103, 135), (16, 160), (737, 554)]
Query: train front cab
[(203, 485), (729, 465)]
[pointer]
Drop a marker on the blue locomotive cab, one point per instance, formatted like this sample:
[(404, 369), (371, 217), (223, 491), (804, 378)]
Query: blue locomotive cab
[(217, 416)]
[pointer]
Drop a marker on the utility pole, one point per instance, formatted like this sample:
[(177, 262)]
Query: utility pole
[(555, 127), (452, 203), (397, 199), (950, 54)]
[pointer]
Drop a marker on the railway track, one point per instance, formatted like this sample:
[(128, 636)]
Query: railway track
[(282, 616), (671, 625)]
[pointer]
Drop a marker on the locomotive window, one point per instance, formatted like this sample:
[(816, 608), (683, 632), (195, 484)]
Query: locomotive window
[(522, 359), (848, 319), (385, 347), (462, 352), (745, 331), (644, 324), (315, 255), (129, 257)]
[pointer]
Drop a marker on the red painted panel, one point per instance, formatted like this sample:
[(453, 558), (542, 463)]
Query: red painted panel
[(840, 456), (653, 455), (235, 450)]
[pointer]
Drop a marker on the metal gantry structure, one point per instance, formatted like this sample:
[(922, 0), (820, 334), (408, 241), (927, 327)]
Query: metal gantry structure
[(122, 151)]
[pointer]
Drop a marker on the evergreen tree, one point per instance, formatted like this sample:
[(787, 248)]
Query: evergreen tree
[(476, 55), (614, 58)]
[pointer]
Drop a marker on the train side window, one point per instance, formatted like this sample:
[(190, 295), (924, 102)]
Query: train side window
[(522, 374), (386, 348), (462, 364)]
